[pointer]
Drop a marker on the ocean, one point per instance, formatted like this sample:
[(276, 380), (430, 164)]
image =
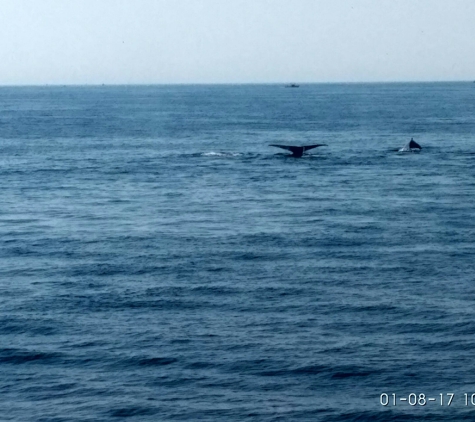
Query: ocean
[(159, 261)]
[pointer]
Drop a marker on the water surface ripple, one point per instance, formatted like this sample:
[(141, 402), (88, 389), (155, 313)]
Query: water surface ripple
[(159, 261)]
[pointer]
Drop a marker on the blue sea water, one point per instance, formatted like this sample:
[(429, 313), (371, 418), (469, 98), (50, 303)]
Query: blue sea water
[(160, 262)]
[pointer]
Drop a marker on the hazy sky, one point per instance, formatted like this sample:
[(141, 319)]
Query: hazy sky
[(235, 41)]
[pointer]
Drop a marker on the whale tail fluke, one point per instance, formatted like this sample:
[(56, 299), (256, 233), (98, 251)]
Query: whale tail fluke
[(297, 151)]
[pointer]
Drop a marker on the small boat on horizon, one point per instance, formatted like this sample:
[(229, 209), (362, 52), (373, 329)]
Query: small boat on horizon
[(292, 86)]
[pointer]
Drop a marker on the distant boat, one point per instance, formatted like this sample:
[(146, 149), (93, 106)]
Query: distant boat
[(292, 86)]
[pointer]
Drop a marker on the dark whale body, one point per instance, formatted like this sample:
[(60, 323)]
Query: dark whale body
[(297, 151), (414, 145), (411, 146)]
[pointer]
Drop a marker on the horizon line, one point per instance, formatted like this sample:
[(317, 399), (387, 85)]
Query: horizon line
[(99, 84)]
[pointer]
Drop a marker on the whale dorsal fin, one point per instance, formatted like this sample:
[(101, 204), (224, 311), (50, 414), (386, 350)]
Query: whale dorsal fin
[(414, 144)]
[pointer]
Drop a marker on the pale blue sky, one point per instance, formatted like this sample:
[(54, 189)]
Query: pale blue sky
[(235, 41)]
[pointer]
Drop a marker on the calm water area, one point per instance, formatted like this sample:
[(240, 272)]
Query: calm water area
[(159, 261)]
